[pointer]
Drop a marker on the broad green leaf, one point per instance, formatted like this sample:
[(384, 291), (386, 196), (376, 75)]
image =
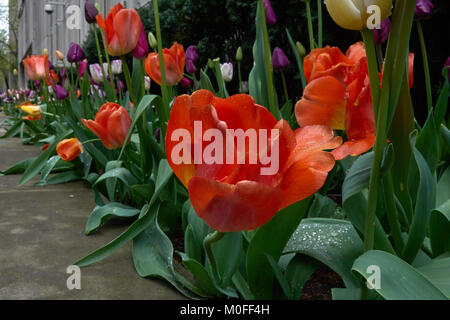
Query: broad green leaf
[(153, 254), (101, 214), (425, 201), (13, 131), (147, 216), (440, 229), (120, 173), (228, 253), (298, 59), (438, 272), (51, 163), (280, 276), (271, 239), (398, 279), (335, 243), (322, 207), (60, 178), (298, 271), (19, 167), (165, 172), (242, 286), (34, 168), (205, 82)]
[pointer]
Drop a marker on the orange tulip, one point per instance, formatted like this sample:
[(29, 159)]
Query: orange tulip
[(69, 149), (32, 118), (234, 196), (122, 28), (111, 125), (174, 59), (37, 67)]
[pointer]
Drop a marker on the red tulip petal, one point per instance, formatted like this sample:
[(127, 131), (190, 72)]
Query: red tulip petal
[(119, 123), (328, 61), (411, 70), (306, 176), (99, 131), (231, 208), (354, 148), (323, 103), (127, 28)]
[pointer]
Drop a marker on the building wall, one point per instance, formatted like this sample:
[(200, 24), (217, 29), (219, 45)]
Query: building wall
[(39, 30)]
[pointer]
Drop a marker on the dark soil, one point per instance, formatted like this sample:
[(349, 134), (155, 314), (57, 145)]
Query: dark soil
[(319, 286)]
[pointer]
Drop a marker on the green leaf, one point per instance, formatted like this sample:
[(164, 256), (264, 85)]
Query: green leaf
[(242, 286), (147, 216), (399, 280), (298, 59), (13, 131), (165, 172), (63, 177), (335, 243), (283, 224), (228, 253), (51, 163), (322, 207), (205, 82), (440, 229), (280, 276), (446, 136), (34, 168), (424, 204), (438, 273), (298, 271), (201, 275), (19, 167), (101, 214), (120, 173), (153, 254)]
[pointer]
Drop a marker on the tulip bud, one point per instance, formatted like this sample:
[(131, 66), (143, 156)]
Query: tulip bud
[(185, 83), (75, 53), (83, 66), (45, 52), (90, 12), (15, 73), (271, 17), (192, 54), (227, 71), (147, 81), (279, 59), (69, 149), (152, 40), (424, 9), (210, 64), (59, 55), (97, 6), (353, 14), (60, 92), (239, 55), (190, 66), (301, 49)]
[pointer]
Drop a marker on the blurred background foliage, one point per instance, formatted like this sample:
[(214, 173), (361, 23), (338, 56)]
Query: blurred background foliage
[(218, 27)]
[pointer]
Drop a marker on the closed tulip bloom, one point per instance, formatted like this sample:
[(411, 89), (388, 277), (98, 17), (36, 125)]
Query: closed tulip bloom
[(279, 59), (83, 65), (116, 66), (424, 9), (271, 17), (111, 125), (142, 49), (122, 28), (381, 35), (174, 59), (148, 82), (37, 67), (31, 109), (96, 73), (60, 92), (190, 66), (75, 53), (152, 40), (227, 71), (232, 197), (352, 14), (69, 149), (59, 55), (186, 83), (192, 54), (52, 78), (90, 12), (63, 73)]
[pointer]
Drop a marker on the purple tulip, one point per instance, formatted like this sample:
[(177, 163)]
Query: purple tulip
[(63, 73), (50, 65), (447, 65), (191, 54), (279, 59), (75, 53), (90, 12), (158, 134), (141, 50), (424, 9), (185, 83), (271, 17), (381, 35), (121, 85), (83, 66), (60, 92), (37, 84), (190, 66)]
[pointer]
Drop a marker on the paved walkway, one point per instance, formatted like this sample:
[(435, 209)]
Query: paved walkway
[(42, 233)]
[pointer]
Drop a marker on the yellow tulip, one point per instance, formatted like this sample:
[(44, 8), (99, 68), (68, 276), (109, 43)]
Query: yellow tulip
[(31, 109), (353, 14)]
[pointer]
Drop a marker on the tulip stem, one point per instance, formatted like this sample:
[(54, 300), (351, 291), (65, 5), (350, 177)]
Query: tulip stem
[(126, 73), (310, 25), (372, 62), (164, 116), (268, 61), (283, 79), (207, 243), (90, 141), (99, 52), (426, 67), (320, 24), (241, 88)]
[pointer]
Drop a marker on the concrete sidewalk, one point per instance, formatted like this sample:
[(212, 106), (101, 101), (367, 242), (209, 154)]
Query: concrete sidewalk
[(42, 233)]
